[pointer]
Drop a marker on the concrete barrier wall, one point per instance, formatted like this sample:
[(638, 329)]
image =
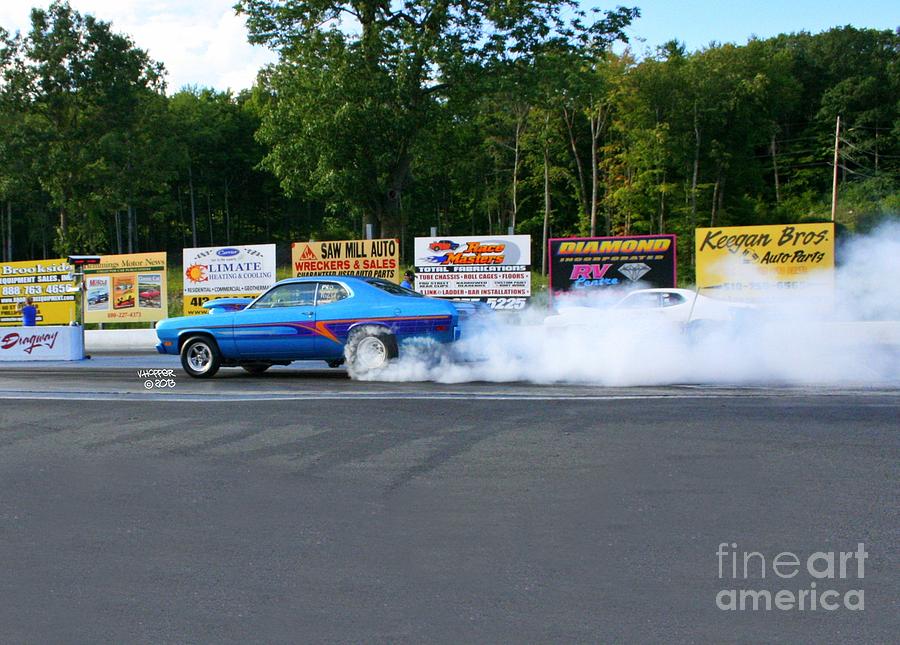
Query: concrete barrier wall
[(120, 340)]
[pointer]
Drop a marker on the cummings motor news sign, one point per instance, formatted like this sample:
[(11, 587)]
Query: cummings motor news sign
[(495, 269), (367, 258), (226, 272), (126, 288), (581, 264), (760, 262)]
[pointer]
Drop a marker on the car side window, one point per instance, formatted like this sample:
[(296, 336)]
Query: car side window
[(330, 292), (296, 294), (641, 301), (672, 299)]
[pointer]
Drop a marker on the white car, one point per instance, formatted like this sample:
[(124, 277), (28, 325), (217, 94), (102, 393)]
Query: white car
[(677, 306)]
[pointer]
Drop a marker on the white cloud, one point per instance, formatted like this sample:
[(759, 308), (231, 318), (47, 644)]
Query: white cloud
[(201, 42)]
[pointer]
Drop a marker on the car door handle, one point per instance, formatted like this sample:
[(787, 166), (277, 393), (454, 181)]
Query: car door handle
[(308, 314)]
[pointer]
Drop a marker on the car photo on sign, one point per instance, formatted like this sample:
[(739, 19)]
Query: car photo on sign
[(149, 290), (98, 294), (443, 245)]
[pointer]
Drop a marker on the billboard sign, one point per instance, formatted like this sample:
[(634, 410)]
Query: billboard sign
[(761, 262), (367, 258), (583, 264), (495, 269), (126, 288), (225, 272), (49, 285)]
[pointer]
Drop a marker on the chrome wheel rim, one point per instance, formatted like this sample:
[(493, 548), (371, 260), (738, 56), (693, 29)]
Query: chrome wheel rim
[(199, 357), (371, 353)]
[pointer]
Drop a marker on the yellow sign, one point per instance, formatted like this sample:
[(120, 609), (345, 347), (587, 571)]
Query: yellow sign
[(126, 288), (370, 258), (759, 262), (45, 282)]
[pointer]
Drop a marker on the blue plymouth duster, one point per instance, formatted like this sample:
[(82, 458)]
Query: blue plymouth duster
[(332, 318)]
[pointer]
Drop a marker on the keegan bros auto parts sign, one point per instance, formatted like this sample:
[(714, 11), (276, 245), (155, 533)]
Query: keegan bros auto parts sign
[(578, 264), (493, 269), (226, 272), (45, 281), (126, 288), (756, 262), (368, 258)]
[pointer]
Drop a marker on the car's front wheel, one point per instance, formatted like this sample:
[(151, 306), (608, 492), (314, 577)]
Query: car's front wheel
[(369, 351), (200, 357)]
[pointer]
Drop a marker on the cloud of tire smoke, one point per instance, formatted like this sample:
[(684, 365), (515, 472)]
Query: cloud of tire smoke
[(793, 342)]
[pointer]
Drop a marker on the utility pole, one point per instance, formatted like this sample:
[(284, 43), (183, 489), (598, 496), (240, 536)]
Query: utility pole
[(834, 182)]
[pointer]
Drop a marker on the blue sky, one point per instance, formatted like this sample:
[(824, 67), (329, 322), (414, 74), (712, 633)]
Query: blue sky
[(202, 42), (698, 22)]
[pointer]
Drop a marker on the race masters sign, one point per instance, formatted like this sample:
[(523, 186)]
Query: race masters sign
[(368, 258), (579, 264), (494, 269), (45, 281), (226, 272), (126, 288), (756, 262)]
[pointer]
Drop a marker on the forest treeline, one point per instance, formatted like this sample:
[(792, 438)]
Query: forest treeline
[(472, 117)]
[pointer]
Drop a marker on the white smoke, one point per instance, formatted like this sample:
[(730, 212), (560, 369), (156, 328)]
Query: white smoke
[(796, 341)]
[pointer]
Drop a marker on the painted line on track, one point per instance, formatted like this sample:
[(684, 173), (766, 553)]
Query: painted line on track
[(331, 395)]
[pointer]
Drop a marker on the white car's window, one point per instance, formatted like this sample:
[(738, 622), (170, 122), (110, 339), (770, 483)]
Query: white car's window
[(671, 299), (296, 294), (640, 301), (330, 292)]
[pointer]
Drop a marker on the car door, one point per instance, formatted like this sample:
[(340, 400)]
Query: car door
[(279, 325), (335, 313)]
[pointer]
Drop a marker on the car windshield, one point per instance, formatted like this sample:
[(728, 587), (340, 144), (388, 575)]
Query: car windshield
[(392, 287)]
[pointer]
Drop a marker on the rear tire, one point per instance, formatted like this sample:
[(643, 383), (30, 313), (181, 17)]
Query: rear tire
[(369, 351), (200, 357)]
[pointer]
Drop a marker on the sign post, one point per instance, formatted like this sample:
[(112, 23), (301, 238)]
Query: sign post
[(79, 262)]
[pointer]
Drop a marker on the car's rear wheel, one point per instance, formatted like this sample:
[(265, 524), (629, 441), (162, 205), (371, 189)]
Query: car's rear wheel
[(200, 357), (369, 351), (256, 368)]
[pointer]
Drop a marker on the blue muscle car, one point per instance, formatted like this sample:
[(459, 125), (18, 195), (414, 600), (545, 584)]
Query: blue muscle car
[(331, 318)]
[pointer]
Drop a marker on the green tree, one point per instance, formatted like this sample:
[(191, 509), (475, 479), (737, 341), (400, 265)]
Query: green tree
[(351, 104)]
